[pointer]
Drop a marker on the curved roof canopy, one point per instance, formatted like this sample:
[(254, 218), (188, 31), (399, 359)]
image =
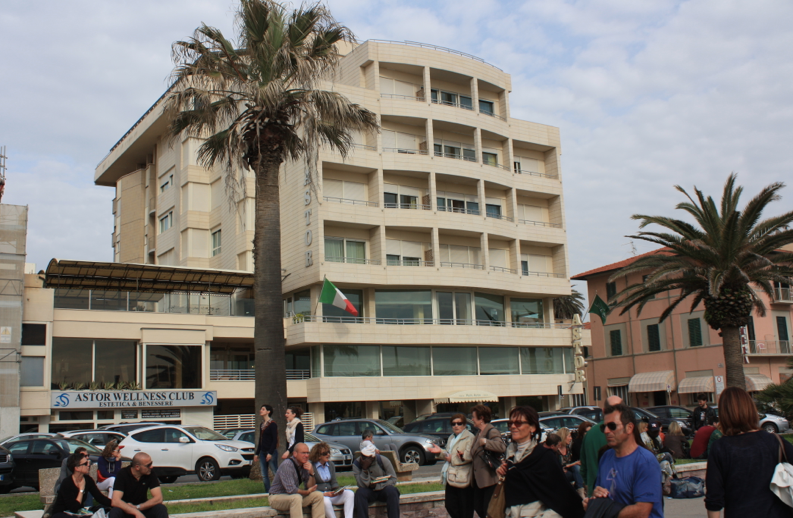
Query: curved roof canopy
[(66, 274)]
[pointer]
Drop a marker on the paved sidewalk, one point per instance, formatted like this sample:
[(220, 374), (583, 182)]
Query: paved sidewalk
[(686, 508)]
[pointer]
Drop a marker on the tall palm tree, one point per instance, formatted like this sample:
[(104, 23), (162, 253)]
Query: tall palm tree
[(721, 261), (256, 103), (569, 305)]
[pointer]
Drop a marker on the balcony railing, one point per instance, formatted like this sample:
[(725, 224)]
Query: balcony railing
[(504, 270), (224, 422), (458, 210), (527, 273), (494, 115), (348, 201), (351, 260), (518, 170), (469, 266), (425, 321), (782, 295), (417, 206), (406, 97), (456, 156), (250, 374), (187, 303), (365, 146), (539, 223), (409, 262), (436, 47), (499, 216), (769, 347), (456, 104), (405, 151), (500, 166)]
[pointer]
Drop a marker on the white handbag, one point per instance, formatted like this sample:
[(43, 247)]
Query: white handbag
[(782, 481)]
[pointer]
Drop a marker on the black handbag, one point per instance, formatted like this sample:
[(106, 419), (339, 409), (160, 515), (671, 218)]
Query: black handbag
[(491, 459), (603, 508)]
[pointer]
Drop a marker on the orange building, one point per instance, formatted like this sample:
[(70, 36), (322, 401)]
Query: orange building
[(649, 363)]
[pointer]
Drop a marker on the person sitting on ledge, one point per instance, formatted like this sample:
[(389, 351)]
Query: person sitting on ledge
[(131, 491), (376, 480), (285, 492)]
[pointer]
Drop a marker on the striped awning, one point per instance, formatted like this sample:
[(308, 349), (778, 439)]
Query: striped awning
[(696, 385), (652, 382), (757, 382), (468, 396)]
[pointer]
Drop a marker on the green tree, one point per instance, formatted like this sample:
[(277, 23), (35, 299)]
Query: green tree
[(569, 305), (720, 260), (777, 398), (255, 103)]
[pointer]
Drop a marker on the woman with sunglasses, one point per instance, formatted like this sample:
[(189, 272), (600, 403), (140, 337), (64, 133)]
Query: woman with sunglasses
[(456, 473), (534, 484), (325, 477), (74, 489)]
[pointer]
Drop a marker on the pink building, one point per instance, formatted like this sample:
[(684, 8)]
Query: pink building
[(649, 363)]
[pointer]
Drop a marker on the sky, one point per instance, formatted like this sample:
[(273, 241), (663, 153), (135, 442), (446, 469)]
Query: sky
[(647, 95)]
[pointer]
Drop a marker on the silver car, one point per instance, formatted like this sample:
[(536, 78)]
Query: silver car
[(410, 447), (340, 455)]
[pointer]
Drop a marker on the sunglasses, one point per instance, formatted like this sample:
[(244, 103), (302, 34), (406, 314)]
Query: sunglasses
[(611, 426), (86, 463), (149, 465), (458, 423), (324, 453), (516, 423)]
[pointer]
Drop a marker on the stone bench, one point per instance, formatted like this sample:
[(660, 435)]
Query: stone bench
[(404, 471), (48, 477), (693, 469)]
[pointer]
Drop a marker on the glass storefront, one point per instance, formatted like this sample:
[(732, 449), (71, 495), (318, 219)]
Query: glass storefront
[(71, 362), (115, 361), (173, 366)]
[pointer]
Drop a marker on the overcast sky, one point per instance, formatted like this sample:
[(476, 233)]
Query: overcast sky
[(646, 94)]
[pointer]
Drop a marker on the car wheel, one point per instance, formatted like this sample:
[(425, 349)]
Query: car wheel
[(770, 428), (412, 454), (168, 480), (207, 470)]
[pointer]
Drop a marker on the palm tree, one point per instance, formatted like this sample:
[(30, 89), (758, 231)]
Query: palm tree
[(255, 104), (569, 305), (721, 261)]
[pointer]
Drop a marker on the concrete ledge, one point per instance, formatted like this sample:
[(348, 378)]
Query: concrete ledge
[(694, 469)]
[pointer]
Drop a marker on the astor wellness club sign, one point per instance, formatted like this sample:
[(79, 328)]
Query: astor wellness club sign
[(133, 398)]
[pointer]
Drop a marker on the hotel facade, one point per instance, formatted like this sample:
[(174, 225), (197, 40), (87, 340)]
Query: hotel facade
[(445, 230)]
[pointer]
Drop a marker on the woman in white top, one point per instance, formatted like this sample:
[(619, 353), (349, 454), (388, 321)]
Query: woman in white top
[(456, 473), (294, 429), (325, 478)]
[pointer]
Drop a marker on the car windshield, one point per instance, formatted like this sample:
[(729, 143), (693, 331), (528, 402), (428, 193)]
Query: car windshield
[(310, 438), (205, 434), (388, 426), (73, 444)]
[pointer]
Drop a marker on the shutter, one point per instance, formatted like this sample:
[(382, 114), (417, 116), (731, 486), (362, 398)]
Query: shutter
[(354, 191), (653, 338), (389, 138), (406, 141), (494, 201), (443, 253), (412, 249), (781, 327), (386, 85), (393, 247), (530, 212), (616, 342), (390, 187), (458, 254), (694, 332), (333, 188), (404, 190), (529, 164), (538, 263), (474, 252), (403, 88), (498, 257)]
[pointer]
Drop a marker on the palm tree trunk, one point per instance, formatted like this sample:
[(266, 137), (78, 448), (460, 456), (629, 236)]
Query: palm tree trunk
[(268, 334), (733, 357)]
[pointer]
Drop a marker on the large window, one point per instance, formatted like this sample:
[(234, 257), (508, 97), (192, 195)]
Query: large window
[(454, 361), (302, 303), (31, 371), (337, 314), (486, 107), (115, 361), (341, 250), (216, 242), (456, 202), (403, 306), (615, 340), (489, 309), (166, 222), (694, 332), (542, 360), (71, 299), (498, 360), (406, 361), (458, 150), (352, 360), (71, 362), (526, 312), (452, 99), (106, 300), (454, 308), (653, 338), (173, 366)]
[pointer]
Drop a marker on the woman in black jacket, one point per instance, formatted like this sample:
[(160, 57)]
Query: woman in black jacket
[(73, 490), (267, 449)]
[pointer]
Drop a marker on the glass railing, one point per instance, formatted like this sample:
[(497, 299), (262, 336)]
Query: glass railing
[(185, 303), (351, 260), (425, 321), (348, 201)]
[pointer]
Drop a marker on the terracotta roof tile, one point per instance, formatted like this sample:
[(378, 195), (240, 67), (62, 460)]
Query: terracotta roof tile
[(615, 266)]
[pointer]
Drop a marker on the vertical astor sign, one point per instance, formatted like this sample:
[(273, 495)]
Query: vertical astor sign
[(332, 295)]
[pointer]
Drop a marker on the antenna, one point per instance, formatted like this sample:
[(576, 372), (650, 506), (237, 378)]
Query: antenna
[(3, 158), (633, 247)]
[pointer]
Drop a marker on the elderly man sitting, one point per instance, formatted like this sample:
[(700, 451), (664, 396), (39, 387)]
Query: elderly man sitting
[(376, 482), (285, 492)]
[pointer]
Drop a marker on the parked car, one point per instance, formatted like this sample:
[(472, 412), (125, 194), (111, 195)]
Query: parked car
[(6, 470), (571, 422), (439, 427), (126, 428), (34, 454), (592, 413), (340, 455), (179, 450), (98, 438), (410, 447), (42, 435), (503, 427), (397, 421), (668, 414), (769, 422)]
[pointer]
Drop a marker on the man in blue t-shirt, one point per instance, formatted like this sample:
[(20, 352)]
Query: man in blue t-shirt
[(628, 473)]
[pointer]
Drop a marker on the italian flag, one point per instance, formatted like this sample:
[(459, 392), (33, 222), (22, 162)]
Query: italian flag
[(332, 295)]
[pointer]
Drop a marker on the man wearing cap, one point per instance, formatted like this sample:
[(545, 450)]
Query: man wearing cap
[(369, 470), (285, 492)]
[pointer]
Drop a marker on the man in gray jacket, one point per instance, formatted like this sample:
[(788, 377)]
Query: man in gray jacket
[(370, 471)]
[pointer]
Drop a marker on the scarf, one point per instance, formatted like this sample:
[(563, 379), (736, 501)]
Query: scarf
[(449, 448), (290, 431)]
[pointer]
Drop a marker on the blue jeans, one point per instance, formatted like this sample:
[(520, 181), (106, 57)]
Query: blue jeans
[(263, 465), (574, 475)]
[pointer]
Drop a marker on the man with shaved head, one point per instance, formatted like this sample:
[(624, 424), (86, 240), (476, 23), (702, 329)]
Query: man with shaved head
[(131, 491), (285, 492), (593, 441)]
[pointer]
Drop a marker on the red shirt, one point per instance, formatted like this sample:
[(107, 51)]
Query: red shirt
[(701, 438)]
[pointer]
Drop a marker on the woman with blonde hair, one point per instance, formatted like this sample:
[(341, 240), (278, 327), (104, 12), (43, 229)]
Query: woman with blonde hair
[(572, 469), (675, 440)]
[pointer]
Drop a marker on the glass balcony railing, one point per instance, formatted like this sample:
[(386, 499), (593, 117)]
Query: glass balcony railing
[(425, 321), (186, 303)]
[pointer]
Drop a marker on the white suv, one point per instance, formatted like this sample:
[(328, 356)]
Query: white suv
[(181, 450)]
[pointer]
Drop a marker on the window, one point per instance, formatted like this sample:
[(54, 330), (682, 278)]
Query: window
[(524, 165), (457, 255), (173, 366), (115, 361), (399, 88), (31, 371), (71, 361), (489, 309), (781, 328), (526, 311), (749, 328), (352, 360), (34, 334), (395, 141), (337, 314), (454, 308), (486, 107), (156, 435), (611, 290), (402, 197), (542, 360), (302, 302), (405, 253), (489, 158), (498, 360), (615, 339), (694, 332), (167, 184), (653, 338), (493, 210), (621, 391), (454, 361), (344, 190), (216, 242), (536, 264), (406, 361), (452, 99), (342, 250), (456, 202), (166, 222), (452, 149), (403, 306)]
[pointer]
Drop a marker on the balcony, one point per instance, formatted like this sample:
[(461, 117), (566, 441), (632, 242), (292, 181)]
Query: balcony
[(250, 374), (459, 210), (519, 170), (406, 151), (469, 266), (769, 347), (539, 223), (415, 206), (783, 295), (351, 260), (495, 215), (424, 321), (409, 262), (457, 156), (494, 115), (347, 201), (405, 97), (504, 270)]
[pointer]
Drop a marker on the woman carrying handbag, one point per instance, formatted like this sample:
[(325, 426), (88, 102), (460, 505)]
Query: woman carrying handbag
[(487, 448), (456, 473)]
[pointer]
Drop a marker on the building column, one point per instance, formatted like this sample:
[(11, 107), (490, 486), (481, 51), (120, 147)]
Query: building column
[(478, 144), (436, 247), (480, 191), (433, 192), (485, 250), (509, 152), (424, 406), (318, 410), (507, 403), (475, 93), (512, 201), (372, 409), (430, 137), (517, 258), (547, 309), (427, 86)]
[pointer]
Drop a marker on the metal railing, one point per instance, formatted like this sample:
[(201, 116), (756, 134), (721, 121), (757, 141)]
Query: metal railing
[(494, 115), (518, 170), (349, 201), (409, 262), (416, 206), (351, 260), (782, 295), (405, 151), (527, 273), (365, 146), (224, 422), (769, 347), (426, 321), (456, 104), (500, 166), (500, 216), (456, 156), (399, 96), (539, 223), (503, 269), (436, 47), (470, 266), (250, 374), (458, 210)]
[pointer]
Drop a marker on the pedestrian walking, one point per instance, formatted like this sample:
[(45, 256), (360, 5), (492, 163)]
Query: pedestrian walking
[(294, 429), (487, 440), (456, 472)]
